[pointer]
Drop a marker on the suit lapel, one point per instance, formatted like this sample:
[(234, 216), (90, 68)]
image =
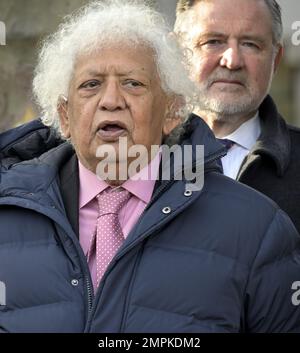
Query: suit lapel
[(69, 185)]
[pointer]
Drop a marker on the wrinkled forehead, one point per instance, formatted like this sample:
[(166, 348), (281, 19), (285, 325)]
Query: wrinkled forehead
[(123, 55), (119, 60)]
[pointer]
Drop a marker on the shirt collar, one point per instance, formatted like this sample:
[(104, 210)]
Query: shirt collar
[(141, 185), (247, 134), (89, 185)]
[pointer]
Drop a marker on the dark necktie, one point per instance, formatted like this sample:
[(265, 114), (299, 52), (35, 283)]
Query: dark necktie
[(226, 143)]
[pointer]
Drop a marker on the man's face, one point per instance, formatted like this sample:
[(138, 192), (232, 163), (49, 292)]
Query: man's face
[(114, 93), (233, 55)]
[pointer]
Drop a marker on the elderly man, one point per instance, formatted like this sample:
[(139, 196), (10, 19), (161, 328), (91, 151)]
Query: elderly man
[(236, 50), (83, 254)]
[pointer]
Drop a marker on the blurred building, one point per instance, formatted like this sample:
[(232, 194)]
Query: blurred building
[(27, 21)]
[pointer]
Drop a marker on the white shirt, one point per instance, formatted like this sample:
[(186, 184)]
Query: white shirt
[(245, 138)]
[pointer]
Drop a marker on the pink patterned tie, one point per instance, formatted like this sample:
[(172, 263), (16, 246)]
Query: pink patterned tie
[(108, 235)]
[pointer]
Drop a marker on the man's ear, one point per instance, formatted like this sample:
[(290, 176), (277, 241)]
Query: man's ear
[(170, 124), (278, 57), (62, 109), (172, 117)]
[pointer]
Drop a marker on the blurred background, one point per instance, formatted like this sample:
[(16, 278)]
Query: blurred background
[(28, 21)]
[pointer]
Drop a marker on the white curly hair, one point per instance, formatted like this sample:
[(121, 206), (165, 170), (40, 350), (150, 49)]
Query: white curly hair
[(100, 24)]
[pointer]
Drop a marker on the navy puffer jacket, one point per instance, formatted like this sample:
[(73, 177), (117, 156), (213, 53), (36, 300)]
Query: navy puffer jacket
[(223, 260)]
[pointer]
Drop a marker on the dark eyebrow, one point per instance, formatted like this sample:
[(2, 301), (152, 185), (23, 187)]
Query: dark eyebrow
[(254, 38), (95, 73), (207, 35), (212, 34)]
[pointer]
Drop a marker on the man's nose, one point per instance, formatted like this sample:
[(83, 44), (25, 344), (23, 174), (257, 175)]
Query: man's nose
[(112, 97), (232, 58)]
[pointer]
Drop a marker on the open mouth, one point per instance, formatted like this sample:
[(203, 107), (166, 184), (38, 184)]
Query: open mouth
[(111, 130)]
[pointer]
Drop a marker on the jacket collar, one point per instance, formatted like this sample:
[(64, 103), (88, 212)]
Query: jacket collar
[(197, 132), (13, 135), (274, 140), (69, 188), (25, 142), (34, 176)]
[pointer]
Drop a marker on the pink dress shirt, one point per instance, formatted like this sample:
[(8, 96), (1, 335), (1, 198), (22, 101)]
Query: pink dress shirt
[(90, 186)]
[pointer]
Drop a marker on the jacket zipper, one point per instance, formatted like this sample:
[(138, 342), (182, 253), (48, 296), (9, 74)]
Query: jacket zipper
[(90, 294)]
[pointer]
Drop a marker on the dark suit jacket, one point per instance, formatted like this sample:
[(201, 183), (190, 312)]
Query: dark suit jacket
[(69, 186), (273, 165)]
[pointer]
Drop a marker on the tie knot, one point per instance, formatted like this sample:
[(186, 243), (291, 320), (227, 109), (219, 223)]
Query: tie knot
[(226, 143), (111, 201)]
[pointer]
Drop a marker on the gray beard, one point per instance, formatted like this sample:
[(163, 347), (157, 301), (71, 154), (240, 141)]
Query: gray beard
[(228, 111), (238, 106), (231, 110)]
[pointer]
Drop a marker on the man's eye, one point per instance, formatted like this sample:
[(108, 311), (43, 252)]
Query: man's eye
[(133, 83), (89, 84), (213, 42), (250, 45)]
